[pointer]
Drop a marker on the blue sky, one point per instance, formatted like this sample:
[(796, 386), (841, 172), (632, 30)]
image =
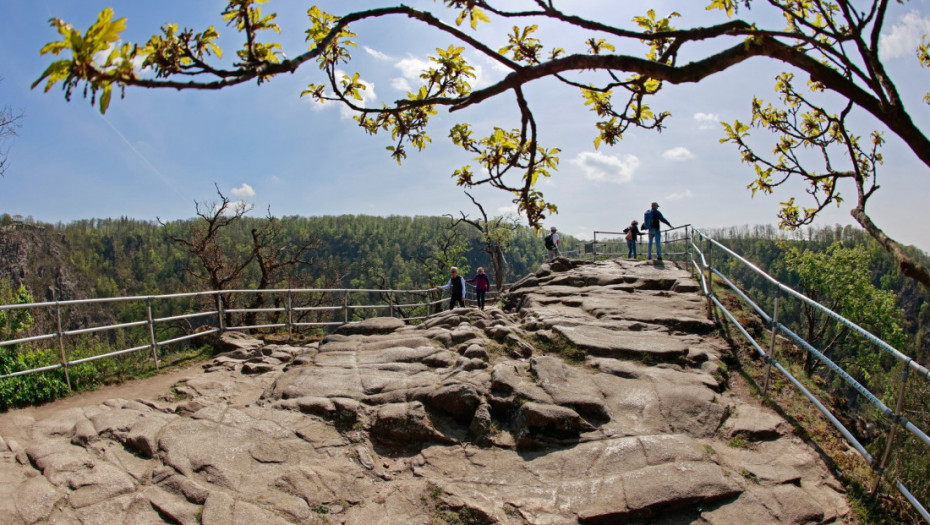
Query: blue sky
[(156, 152)]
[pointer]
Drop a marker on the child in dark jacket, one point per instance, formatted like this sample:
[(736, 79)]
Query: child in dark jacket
[(482, 285), (632, 237)]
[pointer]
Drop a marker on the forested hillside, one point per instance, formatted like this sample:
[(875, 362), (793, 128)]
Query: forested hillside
[(769, 248), (113, 257)]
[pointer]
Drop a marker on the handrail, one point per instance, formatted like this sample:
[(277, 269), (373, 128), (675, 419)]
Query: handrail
[(210, 321), (700, 264), (639, 242)]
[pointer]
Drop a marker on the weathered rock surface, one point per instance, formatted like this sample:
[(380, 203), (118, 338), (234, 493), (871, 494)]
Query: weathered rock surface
[(594, 397)]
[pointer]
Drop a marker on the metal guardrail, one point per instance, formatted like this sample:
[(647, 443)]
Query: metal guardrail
[(702, 246), (288, 315), (610, 245)]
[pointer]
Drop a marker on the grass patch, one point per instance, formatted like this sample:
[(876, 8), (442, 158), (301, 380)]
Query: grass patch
[(738, 441), (561, 346), (442, 514)]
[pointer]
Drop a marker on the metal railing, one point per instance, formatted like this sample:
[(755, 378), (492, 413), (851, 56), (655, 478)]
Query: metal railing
[(614, 244), (703, 249), (212, 312)]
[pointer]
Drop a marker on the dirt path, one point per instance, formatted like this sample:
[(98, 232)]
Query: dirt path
[(13, 421)]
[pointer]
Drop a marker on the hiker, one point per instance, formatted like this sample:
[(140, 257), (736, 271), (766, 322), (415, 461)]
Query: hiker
[(651, 221), (552, 245), (457, 284), (632, 237), (482, 285)]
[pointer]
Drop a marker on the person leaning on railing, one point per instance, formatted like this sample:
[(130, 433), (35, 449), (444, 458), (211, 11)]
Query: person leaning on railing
[(632, 237)]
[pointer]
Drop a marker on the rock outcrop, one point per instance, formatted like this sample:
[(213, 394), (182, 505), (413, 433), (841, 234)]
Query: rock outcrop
[(594, 396)]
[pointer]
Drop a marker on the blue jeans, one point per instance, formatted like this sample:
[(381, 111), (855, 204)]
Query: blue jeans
[(631, 246), (655, 233)]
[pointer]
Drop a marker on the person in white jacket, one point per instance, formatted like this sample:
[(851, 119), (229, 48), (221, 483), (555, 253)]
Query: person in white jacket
[(457, 285)]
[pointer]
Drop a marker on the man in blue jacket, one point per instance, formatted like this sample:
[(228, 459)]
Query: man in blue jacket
[(652, 220)]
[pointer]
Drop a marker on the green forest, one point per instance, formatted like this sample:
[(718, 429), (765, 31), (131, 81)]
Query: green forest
[(111, 257)]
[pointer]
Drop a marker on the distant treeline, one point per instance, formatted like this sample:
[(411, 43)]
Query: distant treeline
[(117, 257)]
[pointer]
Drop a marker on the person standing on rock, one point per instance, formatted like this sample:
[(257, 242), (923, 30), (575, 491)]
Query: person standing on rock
[(482, 285), (552, 245), (632, 237), (652, 220), (457, 285)]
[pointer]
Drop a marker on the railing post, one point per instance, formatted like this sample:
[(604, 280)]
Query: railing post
[(894, 427), (594, 246), (691, 252), (290, 314), (772, 347), (219, 312), (345, 307), (152, 332), (710, 278), (61, 345)]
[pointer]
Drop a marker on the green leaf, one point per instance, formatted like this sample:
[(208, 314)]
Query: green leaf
[(105, 98)]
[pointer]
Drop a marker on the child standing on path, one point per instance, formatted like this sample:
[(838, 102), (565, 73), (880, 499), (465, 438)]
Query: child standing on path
[(482, 285)]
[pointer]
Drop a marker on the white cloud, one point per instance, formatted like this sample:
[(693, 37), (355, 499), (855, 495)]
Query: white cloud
[(599, 167), (706, 117), (234, 207), (376, 54), (905, 35), (401, 84), (679, 196), (480, 79), (680, 153), (243, 191), (508, 211), (411, 67), (707, 120)]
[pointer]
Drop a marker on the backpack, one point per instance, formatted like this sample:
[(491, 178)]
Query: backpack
[(549, 244), (650, 221), (629, 234)]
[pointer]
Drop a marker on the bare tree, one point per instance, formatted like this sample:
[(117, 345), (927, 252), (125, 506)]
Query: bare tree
[(217, 269), (10, 122), (496, 234), (275, 256)]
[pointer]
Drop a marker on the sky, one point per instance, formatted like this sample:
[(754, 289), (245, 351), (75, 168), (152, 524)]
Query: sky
[(156, 153)]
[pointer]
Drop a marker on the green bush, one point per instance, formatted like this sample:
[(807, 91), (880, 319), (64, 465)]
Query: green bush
[(29, 389)]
